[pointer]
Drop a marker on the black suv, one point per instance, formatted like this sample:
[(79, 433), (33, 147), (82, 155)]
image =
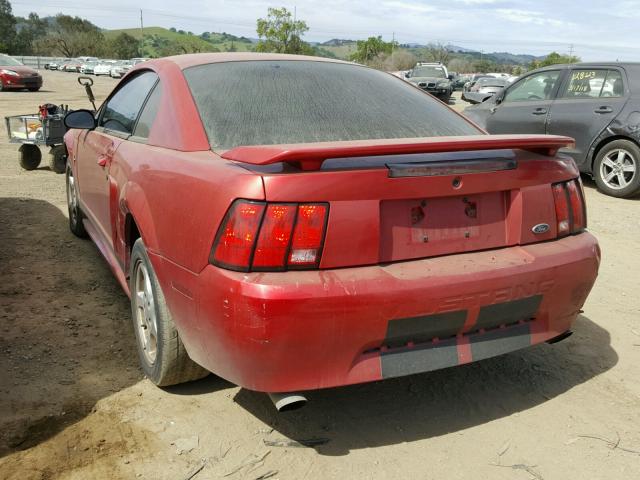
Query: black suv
[(432, 78), (598, 104)]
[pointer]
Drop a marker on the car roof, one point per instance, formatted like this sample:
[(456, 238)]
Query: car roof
[(194, 59)]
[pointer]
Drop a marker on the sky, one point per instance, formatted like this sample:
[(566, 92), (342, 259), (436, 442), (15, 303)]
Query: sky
[(592, 29)]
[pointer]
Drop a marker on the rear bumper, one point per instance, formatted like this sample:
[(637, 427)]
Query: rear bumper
[(309, 330)]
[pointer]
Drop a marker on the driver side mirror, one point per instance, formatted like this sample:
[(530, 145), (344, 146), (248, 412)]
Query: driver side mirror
[(407, 74), (82, 119), (450, 76), (500, 97)]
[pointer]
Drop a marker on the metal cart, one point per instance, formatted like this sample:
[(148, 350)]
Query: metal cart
[(43, 128)]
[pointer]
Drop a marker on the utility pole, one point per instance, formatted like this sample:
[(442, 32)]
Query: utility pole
[(141, 35), (571, 50), (393, 46)]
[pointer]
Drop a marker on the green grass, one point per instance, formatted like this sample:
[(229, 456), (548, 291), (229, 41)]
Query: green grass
[(192, 42), (343, 51)]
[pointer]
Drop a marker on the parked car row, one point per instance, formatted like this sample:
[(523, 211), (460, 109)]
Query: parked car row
[(95, 66)]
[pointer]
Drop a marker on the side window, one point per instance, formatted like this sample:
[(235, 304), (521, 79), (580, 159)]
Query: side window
[(613, 85), (122, 109), (148, 114), (538, 86), (585, 83)]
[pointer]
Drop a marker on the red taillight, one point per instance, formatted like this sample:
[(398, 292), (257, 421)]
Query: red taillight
[(562, 209), (308, 235), (577, 203), (570, 207), (235, 241), (273, 236)]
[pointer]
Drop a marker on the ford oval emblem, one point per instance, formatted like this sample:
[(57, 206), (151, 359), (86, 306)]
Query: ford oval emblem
[(540, 228)]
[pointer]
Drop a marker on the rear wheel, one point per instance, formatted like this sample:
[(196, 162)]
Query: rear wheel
[(34, 89), (162, 354), (616, 169), (57, 159), (73, 206), (30, 156)]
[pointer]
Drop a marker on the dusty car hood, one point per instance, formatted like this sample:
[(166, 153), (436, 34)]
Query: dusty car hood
[(20, 70)]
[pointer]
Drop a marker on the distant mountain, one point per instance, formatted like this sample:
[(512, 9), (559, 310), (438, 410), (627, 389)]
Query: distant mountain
[(337, 42), (455, 48), (506, 57)]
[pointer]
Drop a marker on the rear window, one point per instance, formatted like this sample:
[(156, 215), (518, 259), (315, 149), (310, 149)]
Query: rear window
[(272, 102)]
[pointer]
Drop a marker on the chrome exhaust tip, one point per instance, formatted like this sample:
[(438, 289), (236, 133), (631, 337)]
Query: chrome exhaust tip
[(286, 402)]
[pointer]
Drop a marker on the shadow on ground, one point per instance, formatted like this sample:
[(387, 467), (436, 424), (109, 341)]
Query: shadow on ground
[(66, 339), (589, 182), (67, 342), (432, 404)]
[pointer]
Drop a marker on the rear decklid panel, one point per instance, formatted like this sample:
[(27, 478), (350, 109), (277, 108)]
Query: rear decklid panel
[(403, 206)]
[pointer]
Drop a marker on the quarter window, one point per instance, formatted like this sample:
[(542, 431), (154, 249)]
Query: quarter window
[(534, 87), (122, 109), (148, 115), (613, 85), (593, 83)]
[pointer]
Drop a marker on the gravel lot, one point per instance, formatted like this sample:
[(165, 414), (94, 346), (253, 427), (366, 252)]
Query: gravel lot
[(74, 404)]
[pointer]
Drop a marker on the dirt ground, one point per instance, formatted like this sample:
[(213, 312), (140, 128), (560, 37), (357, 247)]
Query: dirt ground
[(74, 404)]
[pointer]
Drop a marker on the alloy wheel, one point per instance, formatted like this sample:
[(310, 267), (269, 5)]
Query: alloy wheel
[(618, 169), (72, 197), (145, 312)]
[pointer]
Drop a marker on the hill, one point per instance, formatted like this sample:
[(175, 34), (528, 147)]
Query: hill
[(159, 41)]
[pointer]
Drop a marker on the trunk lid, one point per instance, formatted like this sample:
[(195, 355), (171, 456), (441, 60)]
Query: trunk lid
[(406, 199)]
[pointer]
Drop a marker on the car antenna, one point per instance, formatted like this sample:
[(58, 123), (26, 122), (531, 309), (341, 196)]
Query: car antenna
[(87, 82)]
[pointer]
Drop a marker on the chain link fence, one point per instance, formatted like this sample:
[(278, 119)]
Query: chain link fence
[(38, 62)]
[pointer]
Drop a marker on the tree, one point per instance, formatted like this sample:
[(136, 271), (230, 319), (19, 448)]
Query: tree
[(74, 36), (173, 29), (460, 65), (484, 66), (437, 52), (554, 58), (29, 30), (7, 27), (123, 46), (367, 50), (403, 60), (280, 33)]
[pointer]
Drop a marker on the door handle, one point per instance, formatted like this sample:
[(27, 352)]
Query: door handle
[(539, 111), (603, 109)]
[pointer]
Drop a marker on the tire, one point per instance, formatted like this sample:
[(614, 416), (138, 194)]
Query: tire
[(73, 206), (616, 169), (58, 159), (162, 355), (30, 156), (33, 89)]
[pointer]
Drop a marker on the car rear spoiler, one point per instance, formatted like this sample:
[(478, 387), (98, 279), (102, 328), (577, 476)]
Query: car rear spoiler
[(309, 156)]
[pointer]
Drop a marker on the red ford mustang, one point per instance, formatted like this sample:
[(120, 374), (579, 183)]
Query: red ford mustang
[(293, 223)]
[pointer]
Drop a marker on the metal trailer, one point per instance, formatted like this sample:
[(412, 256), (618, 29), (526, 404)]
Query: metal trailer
[(33, 130)]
